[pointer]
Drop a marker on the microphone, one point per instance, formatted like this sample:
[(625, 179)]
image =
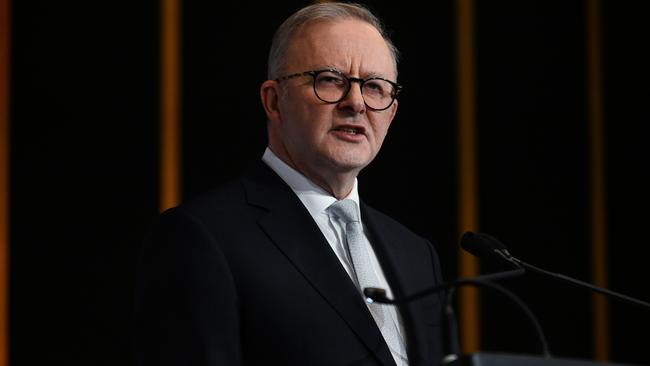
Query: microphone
[(379, 295), (486, 246)]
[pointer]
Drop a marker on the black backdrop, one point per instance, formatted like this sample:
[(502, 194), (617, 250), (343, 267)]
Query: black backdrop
[(84, 156)]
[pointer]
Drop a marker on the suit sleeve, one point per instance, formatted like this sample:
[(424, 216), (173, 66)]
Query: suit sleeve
[(185, 301), (448, 330), (437, 270)]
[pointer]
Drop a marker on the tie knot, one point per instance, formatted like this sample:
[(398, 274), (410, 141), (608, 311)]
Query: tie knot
[(346, 210)]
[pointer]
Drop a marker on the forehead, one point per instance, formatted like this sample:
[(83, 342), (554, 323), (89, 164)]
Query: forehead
[(352, 46)]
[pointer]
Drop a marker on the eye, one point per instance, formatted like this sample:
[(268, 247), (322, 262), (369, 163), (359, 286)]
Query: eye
[(377, 87), (330, 79)]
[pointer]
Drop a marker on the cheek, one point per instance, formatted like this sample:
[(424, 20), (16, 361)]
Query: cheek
[(313, 123), (303, 129), (380, 131)]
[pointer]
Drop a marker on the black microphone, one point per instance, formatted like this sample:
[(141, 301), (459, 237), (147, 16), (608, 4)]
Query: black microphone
[(486, 246), (379, 295)]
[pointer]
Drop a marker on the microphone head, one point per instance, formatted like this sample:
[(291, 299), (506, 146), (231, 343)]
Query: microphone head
[(374, 294), (481, 245), (488, 247)]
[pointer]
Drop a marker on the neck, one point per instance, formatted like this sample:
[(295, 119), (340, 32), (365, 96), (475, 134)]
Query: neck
[(337, 183), (338, 186)]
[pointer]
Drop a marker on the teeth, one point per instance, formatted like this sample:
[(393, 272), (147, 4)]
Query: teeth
[(349, 130)]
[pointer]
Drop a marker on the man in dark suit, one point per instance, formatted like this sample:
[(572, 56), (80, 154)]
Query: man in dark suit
[(269, 268)]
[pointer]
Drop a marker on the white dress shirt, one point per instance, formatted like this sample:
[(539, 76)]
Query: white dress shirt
[(317, 200)]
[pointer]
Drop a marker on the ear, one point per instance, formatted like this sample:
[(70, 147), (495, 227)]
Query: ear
[(270, 94), (393, 110)]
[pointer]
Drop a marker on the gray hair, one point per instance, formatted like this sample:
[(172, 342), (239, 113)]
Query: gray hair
[(320, 12)]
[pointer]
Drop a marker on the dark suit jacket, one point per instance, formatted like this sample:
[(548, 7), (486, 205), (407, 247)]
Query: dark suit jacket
[(243, 275)]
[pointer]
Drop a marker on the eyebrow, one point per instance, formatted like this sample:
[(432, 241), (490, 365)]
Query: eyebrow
[(369, 75)]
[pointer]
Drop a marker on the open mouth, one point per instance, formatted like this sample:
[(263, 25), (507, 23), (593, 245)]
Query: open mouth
[(351, 130)]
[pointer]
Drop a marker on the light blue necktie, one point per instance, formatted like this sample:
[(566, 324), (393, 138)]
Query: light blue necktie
[(346, 211)]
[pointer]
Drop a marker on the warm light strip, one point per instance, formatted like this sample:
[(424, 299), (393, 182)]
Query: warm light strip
[(170, 104), (5, 40), (598, 217), (467, 172)]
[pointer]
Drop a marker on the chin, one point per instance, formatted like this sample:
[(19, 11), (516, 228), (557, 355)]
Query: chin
[(350, 159), (349, 164)]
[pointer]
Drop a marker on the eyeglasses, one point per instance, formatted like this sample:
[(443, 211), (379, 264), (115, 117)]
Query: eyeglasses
[(331, 86)]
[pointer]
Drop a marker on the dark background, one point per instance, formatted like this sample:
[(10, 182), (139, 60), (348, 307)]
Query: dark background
[(84, 156)]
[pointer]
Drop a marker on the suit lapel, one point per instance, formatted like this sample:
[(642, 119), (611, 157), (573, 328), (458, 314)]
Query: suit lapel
[(406, 273), (294, 232)]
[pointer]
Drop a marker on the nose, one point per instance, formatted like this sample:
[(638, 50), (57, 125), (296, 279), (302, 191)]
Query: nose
[(353, 102)]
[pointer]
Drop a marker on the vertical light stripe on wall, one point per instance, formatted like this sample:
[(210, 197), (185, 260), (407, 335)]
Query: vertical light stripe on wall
[(5, 29), (467, 171), (598, 217), (170, 105)]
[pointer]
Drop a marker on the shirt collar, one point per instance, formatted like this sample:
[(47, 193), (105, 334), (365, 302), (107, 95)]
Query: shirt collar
[(315, 198)]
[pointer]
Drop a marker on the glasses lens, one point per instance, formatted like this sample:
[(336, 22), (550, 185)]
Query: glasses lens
[(330, 86), (378, 93)]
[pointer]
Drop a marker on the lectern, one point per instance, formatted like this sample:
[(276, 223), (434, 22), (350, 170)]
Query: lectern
[(504, 359)]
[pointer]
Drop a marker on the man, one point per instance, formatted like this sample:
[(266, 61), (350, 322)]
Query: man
[(269, 269)]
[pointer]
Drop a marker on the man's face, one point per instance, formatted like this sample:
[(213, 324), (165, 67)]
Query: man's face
[(323, 139)]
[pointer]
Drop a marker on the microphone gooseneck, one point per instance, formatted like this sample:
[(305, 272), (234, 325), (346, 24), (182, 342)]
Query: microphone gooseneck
[(452, 327), (486, 246), (379, 295), (601, 290)]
